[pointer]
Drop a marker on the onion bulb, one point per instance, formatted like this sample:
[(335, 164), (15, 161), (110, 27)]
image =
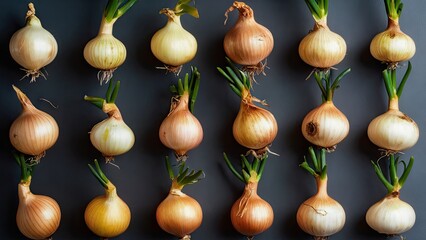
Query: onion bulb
[(391, 215), (254, 127), (105, 52), (111, 136), (321, 47), (250, 214), (325, 125), (180, 214), (38, 216), (107, 215), (320, 215), (247, 43), (393, 130), (32, 46), (33, 131), (181, 130), (172, 44), (393, 45)]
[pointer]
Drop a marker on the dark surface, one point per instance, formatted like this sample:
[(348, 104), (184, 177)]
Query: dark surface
[(144, 100)]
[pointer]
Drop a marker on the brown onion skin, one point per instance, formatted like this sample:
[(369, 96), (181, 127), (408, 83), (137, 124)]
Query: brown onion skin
[(34, 131), (254, 127), (38, 216), (258, 215), (247, 42), (179, 214)]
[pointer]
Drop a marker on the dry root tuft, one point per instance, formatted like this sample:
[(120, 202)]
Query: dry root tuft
[(105, 75), (173, 69)]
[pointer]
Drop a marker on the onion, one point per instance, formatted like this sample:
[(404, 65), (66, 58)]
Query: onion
[(180, 214), (181, 130), (392, 45), (105, 52), (247, 43), (391, 215), (321, 48), (250, 214), (107, 215), (34, 131), (38, 216), (111, 136), (326, 126), (320, 215), (172, 44), (393, 131), (254, 127), (32, 46)]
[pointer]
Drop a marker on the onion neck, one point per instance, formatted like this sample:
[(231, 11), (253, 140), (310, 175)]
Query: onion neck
[(393, 104), (321, 186), (321, 23), (110, 191), (181, 104), (23, 99), (106, 27), (24, 190), (112, 110)]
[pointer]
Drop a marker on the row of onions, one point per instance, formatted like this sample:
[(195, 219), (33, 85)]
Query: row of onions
[(393, 131), (248, 44)]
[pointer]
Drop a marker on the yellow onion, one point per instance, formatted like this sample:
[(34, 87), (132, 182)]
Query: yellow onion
[(38, 216), (391, 215), (112, 136), (107, 215), (32, 46), (321, 215), (250, 214), (180, 130), (254, 127), (325, 126), (179, 214), (247, 42), (322, 48), (173, 45), (393, 130), (34, 131)]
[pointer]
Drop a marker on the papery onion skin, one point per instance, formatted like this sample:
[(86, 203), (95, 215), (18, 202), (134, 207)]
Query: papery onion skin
[(248, 42), (33, 131), (112, 137), (393, 130), (391, 215), (392, 45), (38, 216), (181, 130), (325, 126), (33, 47), (322, 48), (321, 215), (254, 127), (107, 215), (172, 44), (179, 214), (250, 214)]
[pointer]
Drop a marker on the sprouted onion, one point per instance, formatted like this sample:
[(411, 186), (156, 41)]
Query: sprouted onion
[(33, 131), (180, 214), (321, 48), (250, 214), (391, 215), (247, 43), (38, 216), (107, 215), (111, 136), (392, 45), (181, 130), (172, 44), (105, 52), (326, 125), (254, 127), (32, 46), (393, 130), (320, 215)]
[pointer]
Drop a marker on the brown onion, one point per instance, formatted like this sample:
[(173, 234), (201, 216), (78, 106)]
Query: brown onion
[(34, 131), (247, 42)]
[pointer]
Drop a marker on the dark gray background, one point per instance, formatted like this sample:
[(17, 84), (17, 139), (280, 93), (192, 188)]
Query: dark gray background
[(144, 101)]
